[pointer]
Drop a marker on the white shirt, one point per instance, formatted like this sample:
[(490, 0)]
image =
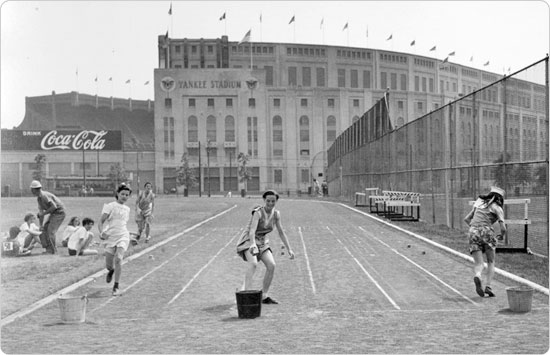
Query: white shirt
[(115, 225), (24, 232), (79, 235), (69, 230)]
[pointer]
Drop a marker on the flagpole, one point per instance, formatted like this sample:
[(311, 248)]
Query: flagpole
[(76, 79), (251, 64), (261, 40), (225, 21), (294, 31)]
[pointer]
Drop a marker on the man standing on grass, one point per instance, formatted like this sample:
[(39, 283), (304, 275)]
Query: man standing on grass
[(48, 204)]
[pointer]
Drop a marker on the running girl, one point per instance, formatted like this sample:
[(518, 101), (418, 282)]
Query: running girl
[(112, 229), (253, 244), (144, 211), (486, 211)]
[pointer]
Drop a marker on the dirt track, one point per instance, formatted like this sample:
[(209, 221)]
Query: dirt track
[(357, 287)]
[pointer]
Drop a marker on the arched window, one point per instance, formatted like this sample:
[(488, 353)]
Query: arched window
[(211, 128), (229, 129), (192, 129)]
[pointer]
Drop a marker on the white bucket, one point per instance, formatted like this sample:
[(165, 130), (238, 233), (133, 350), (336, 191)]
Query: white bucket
[(73, 308)]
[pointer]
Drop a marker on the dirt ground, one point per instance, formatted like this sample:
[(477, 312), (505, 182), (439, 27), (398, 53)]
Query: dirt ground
[(356, 286)]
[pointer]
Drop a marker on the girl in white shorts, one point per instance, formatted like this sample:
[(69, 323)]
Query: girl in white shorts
[(112, 229)]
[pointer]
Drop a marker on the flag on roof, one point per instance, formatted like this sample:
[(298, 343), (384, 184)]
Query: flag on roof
[(128, 81), (345, 26), (390, 37), (222, 17), (322, 21), (170, 11), (292, 19), (433, 48), (446, 60), (486, 64), (413, 42), (146, 83), (246, 37), (452, 53)]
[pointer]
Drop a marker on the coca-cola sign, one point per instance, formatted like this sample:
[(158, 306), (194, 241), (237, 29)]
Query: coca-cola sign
[(61, 140)]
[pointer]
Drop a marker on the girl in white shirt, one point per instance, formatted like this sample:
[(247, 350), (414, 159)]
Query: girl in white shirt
[(112, 229), (69, 230), (29, 234)]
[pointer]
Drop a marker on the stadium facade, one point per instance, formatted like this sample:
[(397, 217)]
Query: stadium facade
[(282, 104)]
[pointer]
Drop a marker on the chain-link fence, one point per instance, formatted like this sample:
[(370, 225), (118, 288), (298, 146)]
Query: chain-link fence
[(493, 136)]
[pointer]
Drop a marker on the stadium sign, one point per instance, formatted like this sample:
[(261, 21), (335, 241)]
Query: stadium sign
[(61, 140)]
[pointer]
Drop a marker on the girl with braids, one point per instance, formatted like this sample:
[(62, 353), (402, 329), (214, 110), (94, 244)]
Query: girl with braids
[(487, 210)]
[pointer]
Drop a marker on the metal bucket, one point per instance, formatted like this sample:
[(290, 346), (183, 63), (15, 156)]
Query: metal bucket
[(520, 298), (73, 308), (249, 303)]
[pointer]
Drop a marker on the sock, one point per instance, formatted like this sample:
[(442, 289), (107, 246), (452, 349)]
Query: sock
[(115, 286)]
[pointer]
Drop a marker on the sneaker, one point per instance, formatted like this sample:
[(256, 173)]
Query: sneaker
[(147, 239), (479, 288), (109, 276), (269, 300), (116, 292), (489, 291)]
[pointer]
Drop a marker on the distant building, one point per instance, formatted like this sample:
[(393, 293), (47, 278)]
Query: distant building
[(286, 111), (114, 131)]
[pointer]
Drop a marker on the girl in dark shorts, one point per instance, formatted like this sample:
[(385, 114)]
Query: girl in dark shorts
[(253, 244), (486, 211)]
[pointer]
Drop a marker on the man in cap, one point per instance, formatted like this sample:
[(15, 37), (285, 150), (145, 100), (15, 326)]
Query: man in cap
[(48, 204)]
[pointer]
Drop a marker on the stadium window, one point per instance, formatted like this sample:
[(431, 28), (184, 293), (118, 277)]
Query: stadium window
[(292, 76), (228, 102), (278, 176), (416, 83), (277, 136), (331, 129), (420, 106), (168, 102), (178, 49), (277, 102), (303, 102), (268, 75), (366, 79), (210, 102), (210, 49), (177, 66), (320, 77), (194, 49), (229, 129), (403, 82), (354, 78), (341, 78), (431, 85), (251, 102), (330, 103), (355, 102), (424, 85), (400, 105), (288, 51), (191, 102), (211, 129), (306, 76), (393, 81)]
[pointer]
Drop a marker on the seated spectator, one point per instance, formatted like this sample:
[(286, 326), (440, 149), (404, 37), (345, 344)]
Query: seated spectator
[(81, 239), (71, 227), (29, 234)]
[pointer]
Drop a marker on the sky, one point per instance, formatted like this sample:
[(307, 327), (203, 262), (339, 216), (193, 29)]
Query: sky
[(64, 46)]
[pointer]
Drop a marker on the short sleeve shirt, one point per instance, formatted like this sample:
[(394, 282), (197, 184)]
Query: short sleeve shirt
[(486, 214), (79, 234), (115, 225), (47, 199), (24, 232)]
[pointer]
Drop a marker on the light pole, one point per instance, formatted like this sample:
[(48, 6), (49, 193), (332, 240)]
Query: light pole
[(311, 168)]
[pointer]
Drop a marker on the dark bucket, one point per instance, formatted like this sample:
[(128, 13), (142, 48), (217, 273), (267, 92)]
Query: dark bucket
[(249, 303)]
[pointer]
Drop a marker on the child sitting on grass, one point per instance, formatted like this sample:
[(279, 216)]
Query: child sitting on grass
[(81, 238)]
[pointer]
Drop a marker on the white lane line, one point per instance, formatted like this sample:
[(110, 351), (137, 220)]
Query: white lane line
[(41, 303), (150, 272), (307, 260), (201, 270), (504, 273), (367, 273), (423, 269)]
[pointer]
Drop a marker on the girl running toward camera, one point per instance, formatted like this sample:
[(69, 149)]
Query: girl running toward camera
[(112, 229), (253, 244), (486, 211)]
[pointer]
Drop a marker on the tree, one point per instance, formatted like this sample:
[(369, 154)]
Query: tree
[(117, 174), (541, 174), (244, 172), (498, 173), (40, 161), (186, 175), (522, 175)]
